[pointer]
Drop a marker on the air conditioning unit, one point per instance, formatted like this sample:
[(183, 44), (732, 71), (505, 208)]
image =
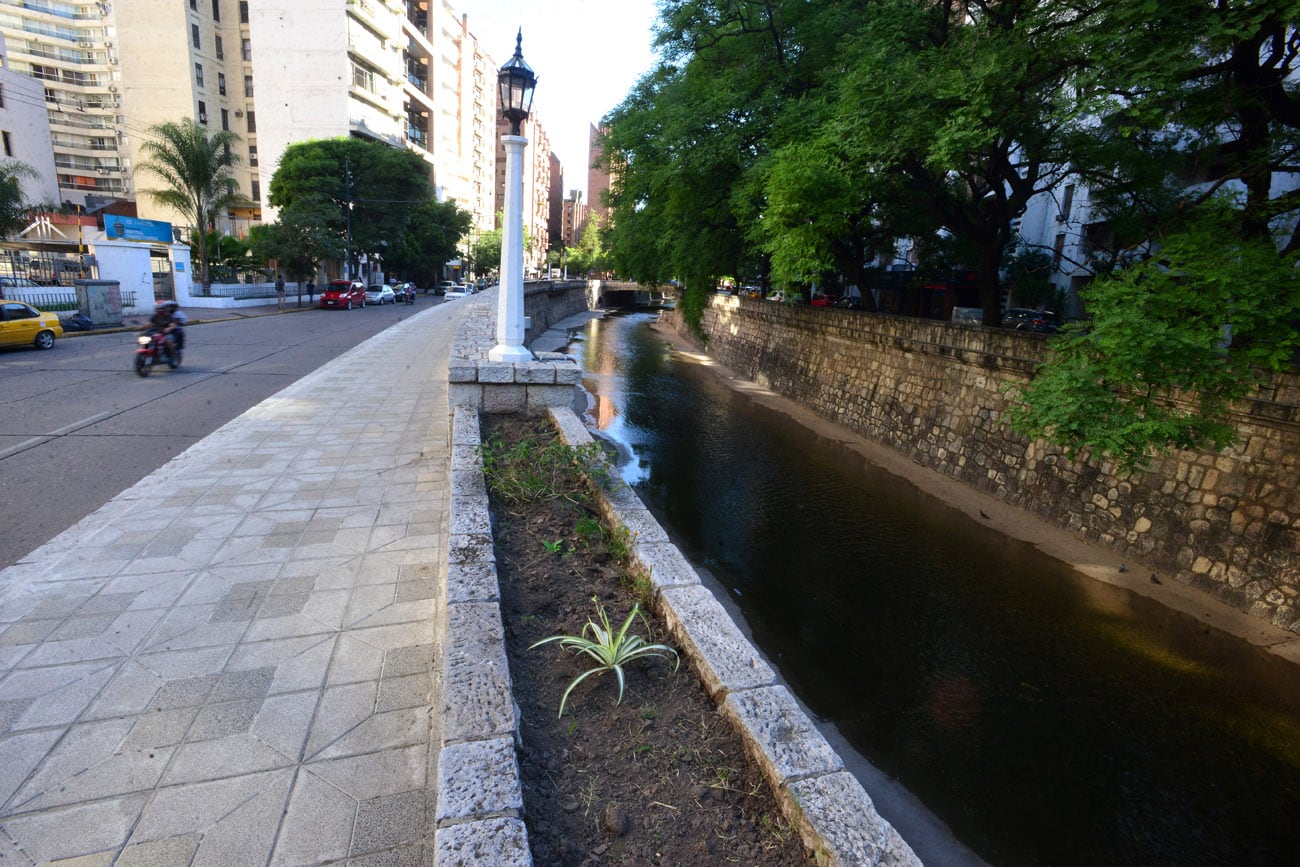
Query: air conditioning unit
[(239, 113), (107, 44), (1060, 218), (112, 88)]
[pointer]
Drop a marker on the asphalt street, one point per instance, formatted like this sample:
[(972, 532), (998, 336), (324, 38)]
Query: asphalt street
[(77, 426)]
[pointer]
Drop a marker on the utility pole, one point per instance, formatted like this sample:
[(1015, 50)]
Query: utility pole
[(347, 183)]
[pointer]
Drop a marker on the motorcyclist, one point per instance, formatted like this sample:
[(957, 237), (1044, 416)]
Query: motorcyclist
[(179, 321), (163, 321)]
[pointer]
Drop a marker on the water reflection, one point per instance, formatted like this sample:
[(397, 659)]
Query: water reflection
[(1046, 717)]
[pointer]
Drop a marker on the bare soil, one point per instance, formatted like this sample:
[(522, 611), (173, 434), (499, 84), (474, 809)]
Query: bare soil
[(658, 779)]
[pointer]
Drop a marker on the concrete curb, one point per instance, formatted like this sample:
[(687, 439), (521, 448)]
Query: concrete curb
[(480, 807), (123, 329)]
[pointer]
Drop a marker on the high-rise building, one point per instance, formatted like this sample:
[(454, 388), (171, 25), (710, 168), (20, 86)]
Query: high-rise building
[(597, 178), (408, 73), (25, 133), (573, 218), (537, 186), (68, 48)]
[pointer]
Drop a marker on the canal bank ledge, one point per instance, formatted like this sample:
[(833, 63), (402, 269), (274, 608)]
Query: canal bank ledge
[(479, 817)]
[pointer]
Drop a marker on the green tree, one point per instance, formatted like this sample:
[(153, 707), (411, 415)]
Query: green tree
[(14, 210), (1203, 110), (305, 235), (373, 190), (432, 238), (487, 251), (1172, 342), (196, 167)]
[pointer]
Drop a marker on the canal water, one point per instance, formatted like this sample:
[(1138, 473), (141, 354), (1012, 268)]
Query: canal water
[(1046, 718)]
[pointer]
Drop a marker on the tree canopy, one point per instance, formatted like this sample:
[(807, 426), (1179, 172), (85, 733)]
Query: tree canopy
[(379, 195), (802, 141)]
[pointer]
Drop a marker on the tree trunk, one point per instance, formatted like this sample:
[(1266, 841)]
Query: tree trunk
[(986, 278)]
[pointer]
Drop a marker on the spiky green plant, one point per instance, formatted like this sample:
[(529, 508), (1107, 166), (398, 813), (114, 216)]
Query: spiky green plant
[(611, 649)]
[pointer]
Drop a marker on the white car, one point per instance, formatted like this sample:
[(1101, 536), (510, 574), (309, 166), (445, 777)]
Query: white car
[(380, 295), (456, 292)]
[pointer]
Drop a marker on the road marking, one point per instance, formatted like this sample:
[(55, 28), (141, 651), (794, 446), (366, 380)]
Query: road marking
[(53, 435)]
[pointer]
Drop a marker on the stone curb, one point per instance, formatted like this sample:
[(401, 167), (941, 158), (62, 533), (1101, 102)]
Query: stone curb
[(833, 813), (478, 772), (479, 818)]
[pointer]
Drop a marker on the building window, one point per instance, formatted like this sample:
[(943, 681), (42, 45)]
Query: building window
[(225, 119), (2, 96), (216, 10), (1058, 250), (363, 77), (220, 49), (8, 145), (257, 191), (198, 74), (1067, 201), (203, 112), (194, 36), (248, 86), (243, 11), (194, 4), (252, 155), (221, 83), (252, 121), (246, 49)]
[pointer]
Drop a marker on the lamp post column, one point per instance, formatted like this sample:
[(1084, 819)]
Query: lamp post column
[(510, 297)]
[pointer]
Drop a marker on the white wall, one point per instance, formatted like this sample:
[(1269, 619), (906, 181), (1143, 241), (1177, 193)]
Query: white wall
[(127, 262)]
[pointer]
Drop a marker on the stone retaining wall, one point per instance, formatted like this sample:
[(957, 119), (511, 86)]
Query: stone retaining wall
[(1226, 523)]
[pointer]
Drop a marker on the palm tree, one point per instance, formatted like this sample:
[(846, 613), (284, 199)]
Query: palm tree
[(196, 167)]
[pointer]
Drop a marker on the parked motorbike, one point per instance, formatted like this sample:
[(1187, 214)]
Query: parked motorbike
[(409, 293), (154, 347)]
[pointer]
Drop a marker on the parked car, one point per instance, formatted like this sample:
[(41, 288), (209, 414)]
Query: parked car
[(848, 302), (23, 325), (18, 283), (1025, 319), (380, 295), (444, 286), (456, 291), (344, 294)]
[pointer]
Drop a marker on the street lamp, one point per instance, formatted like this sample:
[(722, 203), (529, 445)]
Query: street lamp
[(515, 84)]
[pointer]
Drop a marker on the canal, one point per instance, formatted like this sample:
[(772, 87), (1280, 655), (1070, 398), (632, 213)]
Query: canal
[(1045, 717)]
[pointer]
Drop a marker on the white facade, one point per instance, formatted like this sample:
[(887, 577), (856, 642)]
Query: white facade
[(25, 132), (64, 45)]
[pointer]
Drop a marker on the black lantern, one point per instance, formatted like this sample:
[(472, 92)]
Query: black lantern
[(515, 84)]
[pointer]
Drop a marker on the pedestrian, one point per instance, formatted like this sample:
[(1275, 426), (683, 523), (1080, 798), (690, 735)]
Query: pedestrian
[(279, 291), (311, 291)]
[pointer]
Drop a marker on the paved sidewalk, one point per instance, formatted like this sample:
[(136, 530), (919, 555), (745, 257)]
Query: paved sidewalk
[(232, 662)]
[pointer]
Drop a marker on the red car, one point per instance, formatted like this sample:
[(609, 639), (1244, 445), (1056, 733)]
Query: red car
[(344, 293)]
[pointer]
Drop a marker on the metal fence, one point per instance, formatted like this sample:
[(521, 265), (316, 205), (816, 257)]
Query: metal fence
[(239, 290), (61, 302)]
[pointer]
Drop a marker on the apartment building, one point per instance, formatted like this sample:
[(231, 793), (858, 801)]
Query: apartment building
[(537, 189), (25, 132), (573, 218), (66, 47), (597, 178), (408, 73)]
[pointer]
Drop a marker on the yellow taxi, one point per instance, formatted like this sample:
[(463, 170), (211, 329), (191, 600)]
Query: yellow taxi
[(23, 325)]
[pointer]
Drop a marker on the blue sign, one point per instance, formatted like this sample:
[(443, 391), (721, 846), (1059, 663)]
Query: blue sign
[(133, 229)]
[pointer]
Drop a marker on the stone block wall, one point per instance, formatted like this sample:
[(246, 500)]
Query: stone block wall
[(1227, 523)]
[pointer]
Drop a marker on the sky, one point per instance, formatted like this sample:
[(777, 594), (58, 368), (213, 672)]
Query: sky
[(587, 54)]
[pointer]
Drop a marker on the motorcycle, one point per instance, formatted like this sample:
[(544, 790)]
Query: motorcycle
[(409, 293), (154, 347)]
